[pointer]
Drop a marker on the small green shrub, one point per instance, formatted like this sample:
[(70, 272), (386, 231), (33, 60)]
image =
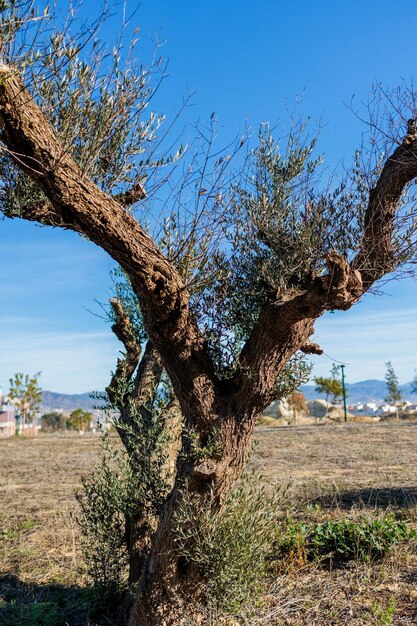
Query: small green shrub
[(343, 540), (124, 482), (384, 615), (230, 549), (102, 503)]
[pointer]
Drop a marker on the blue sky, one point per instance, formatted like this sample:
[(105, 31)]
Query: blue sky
[(248, 62)]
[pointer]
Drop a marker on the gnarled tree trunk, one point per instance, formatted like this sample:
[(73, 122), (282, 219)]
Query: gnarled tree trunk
[(172, 591), (209, 405)]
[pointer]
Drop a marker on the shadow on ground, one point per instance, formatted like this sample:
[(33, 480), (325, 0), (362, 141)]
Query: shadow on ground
[(23, 604), (383, 497)]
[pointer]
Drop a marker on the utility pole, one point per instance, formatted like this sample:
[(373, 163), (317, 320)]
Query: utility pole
[(344, 392)]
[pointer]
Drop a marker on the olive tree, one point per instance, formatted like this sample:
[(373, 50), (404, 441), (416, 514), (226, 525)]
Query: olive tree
[(223, 317)]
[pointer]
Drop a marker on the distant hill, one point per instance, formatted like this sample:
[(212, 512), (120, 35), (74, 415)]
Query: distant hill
[(52, 400), (363, 391)]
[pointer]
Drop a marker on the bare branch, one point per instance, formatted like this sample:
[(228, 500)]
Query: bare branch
[(126, 367)]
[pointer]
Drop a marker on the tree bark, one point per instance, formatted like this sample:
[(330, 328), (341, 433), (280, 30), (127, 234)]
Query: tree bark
[(171, 590)]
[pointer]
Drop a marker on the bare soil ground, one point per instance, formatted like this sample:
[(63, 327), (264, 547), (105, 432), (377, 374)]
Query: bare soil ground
[(332, 471), (372, 463), (41, 582)]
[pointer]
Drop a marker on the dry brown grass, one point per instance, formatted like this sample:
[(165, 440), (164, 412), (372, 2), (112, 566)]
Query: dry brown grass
[(338, 471), (38, 478), (368, 460), (342, 468), (40, 575)]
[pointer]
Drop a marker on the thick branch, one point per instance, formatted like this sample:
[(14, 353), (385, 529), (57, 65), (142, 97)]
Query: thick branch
[(281, 330), (285, 326), (376, 256), (83, 207)]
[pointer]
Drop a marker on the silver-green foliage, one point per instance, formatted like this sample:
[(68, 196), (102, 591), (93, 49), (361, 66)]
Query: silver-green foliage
[(95, 99), (284, 221), (280, 225), (124, 482), (105, 496), (230, 547)]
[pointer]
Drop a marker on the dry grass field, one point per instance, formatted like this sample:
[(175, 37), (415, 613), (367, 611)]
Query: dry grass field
[(330, 472)]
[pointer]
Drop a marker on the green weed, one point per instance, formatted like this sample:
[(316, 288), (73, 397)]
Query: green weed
[(343, 540), (384, 615)]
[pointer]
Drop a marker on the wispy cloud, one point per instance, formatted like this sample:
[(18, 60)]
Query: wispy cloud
[(69, 362), (365, 340)]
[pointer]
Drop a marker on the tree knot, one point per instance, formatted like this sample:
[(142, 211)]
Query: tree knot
[(202, 475), (411, 131), (311, 348), (342, 284)]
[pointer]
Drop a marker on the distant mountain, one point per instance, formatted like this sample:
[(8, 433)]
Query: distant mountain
[(68, 402), (363, 391)]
